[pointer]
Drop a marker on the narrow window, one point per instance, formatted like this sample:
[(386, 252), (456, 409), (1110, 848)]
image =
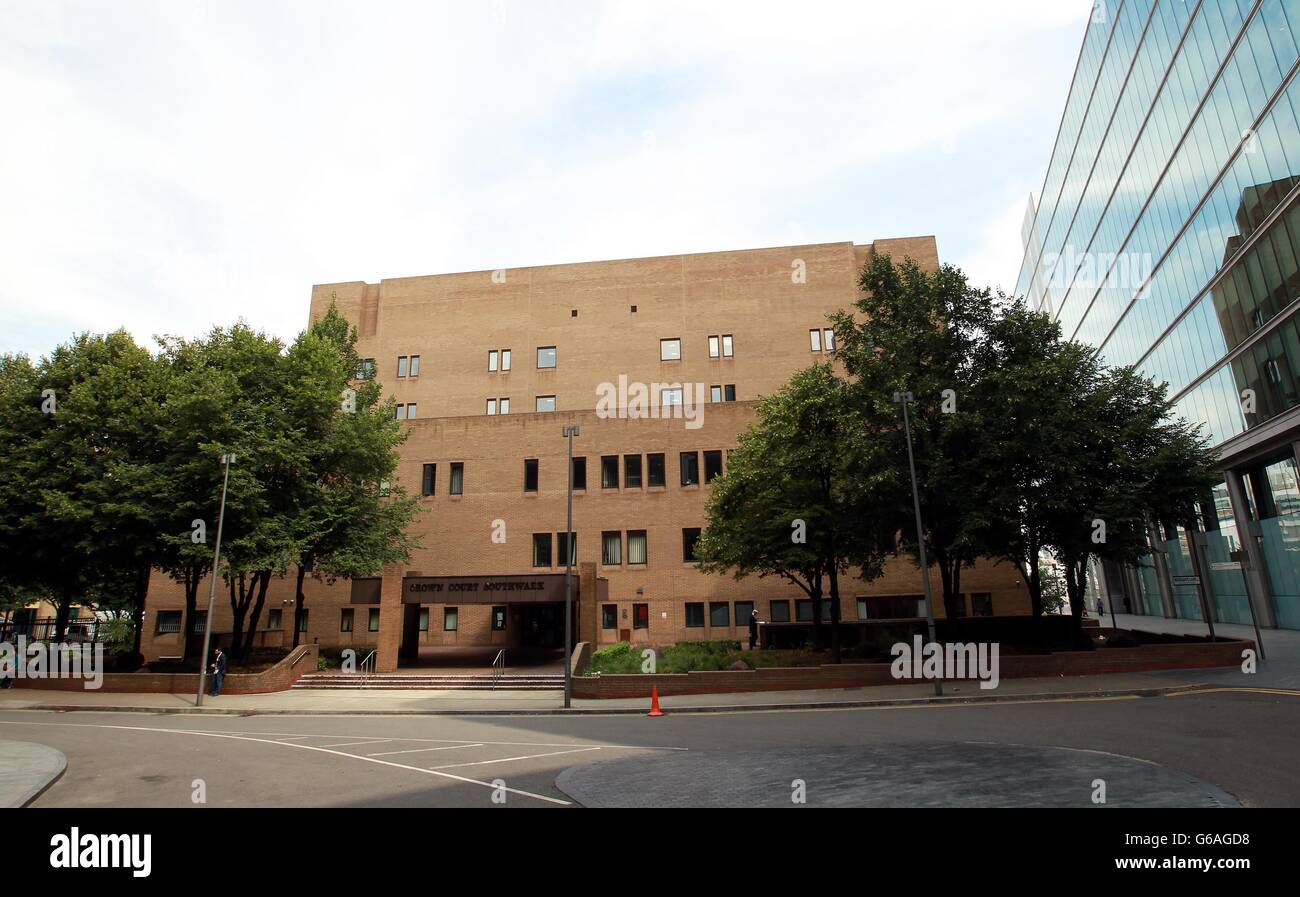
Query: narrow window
[(530, 475), (302, 620), (498, 619), (640, 616), (424, 619), (505, 406), (450, 619), (690, 464), (429, 480), (505, 359), (609, 616), (636, 547), (715, 393), (410, 411), (563, 548), (415, 365), (345, 620), (372, 620), (545, 357), (401, 412), (366, 369), (632, 471), (815, 340), (611, 549), (579, 474), (690, 535), (726, 345), (712, 465), (492, 360), (491, 406), (457, 478), (541, 549), (609, 472), (670, 396), (713, 347), (729, 392), (670, 349), (655, 472), (828, 339), (402, 365)]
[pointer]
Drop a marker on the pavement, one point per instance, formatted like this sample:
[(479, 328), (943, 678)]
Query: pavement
[(26, 770)]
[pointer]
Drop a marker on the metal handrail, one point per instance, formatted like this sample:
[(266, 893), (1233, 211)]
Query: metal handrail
[(367, 665), (498, 667)]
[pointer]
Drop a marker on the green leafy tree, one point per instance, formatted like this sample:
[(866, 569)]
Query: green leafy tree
[(794, 501)]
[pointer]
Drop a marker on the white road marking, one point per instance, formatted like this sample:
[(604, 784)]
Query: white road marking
[(308, 747), (355, 743), (508, 759), (447, 747)]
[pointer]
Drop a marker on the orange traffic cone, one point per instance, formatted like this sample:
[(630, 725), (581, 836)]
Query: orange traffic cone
[(654, 703)]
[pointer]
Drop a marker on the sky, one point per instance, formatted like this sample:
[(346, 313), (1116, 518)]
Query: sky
[(168, 167)]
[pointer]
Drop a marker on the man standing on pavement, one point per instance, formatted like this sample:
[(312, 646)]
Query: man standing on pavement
[(753, 629), (218, 670)]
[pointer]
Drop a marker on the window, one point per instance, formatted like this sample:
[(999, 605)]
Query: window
[(670, 396), (429, 481), (372, 622), (401, 412), (505, 359), (713, 347), (729, 392), (504, 405), (366, 369), (168, 621), (402, 365), (345, 619), (199, 622), (457, 478), (743, 610), (450, 619), (410, 411), (274, 619), (726, 345), (609, 616), (545, 403), (862, 609), (530, 474), (636, 547), (828, 339), (981, 604), (545, 357), (498, 619), (632, 471), (640, 616), (579, 474), (424, 619), (694, 614), (655, 471), (779, 611), (670, 349), (609, 472), (611, 548), (715, 393), (690, 464), (803, 610), (712, 465), (492, 360), (690, 535), (541, 549), (561, 541), (415, 365), (719, 613), (491, 406), (815, 340), (959, 606), (302, 621)]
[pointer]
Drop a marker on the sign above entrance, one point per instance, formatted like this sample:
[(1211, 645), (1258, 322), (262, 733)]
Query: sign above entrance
[(524, 589)]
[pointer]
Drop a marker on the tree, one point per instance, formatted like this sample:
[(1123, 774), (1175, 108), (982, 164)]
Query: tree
[(917, 332), (793, 501)]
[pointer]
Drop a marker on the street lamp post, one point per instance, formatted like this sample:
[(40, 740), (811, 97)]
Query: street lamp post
[(227, 460), (902, 398), (569, 432)]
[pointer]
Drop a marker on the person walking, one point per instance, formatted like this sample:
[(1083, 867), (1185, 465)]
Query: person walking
[(1101, 609), (218, 670), (753, 629)]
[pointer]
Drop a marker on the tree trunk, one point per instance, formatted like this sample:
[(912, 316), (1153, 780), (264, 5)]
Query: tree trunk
[(261, 580), (835, 614), (61, 614), (1076, 579), (238, 609), (298, 601)]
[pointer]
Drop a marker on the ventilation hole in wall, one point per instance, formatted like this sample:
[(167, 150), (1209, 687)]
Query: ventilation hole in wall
[(634, 309), (573, 312)]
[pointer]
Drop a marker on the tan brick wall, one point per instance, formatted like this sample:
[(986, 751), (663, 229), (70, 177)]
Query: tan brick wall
[(452, 321)]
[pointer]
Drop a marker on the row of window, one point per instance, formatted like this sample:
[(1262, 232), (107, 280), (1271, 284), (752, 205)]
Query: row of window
[(688, 467), (429, 479), (668, 396), (722, 613)]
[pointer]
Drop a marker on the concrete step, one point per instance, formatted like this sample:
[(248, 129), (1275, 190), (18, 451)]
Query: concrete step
[(396, 681)]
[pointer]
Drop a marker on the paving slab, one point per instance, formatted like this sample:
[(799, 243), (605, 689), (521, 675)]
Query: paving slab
[(26, 770)]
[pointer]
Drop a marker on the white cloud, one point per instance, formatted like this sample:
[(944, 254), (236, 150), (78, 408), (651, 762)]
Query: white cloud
[(170, 166)]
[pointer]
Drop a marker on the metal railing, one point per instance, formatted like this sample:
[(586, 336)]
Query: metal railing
[(367, 665), (498, 667)]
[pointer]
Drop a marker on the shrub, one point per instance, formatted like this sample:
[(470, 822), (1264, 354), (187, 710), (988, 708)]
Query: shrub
[(619, 658)]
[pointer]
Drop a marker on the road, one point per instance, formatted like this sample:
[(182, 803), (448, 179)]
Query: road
[(1219, 748)]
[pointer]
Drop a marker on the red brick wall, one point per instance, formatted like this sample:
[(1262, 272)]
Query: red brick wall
[(279, 677)]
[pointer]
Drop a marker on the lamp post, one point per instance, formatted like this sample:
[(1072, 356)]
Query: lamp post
[(227, 460), (569, 432), (903, 398)]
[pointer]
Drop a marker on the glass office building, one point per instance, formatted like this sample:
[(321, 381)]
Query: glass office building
[(1167, 233)]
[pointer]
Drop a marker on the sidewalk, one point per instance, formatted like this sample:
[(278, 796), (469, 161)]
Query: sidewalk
[(26, 770)]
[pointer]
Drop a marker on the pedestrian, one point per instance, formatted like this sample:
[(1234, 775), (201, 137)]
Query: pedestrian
[(1101, 608), (753, 629), (218, 670)]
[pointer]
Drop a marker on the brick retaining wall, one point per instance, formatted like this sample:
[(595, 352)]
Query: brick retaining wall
[(283, 675), (1192, 655)]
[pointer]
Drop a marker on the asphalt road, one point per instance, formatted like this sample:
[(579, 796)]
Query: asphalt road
[(1241, 747)]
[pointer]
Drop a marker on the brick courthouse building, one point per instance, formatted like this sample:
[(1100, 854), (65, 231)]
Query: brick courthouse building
[(487, 368)]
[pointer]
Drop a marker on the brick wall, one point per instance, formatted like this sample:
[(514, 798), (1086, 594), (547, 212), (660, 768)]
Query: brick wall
[(279, 677)]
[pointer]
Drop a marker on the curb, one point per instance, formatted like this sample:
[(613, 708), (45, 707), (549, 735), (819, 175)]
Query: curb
[(636, 711), (30, 792)]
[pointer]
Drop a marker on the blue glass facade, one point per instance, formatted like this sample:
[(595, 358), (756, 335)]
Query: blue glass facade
[(1167, 233)]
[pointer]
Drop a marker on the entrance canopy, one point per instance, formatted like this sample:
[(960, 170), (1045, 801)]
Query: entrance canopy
[(508, 589)]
